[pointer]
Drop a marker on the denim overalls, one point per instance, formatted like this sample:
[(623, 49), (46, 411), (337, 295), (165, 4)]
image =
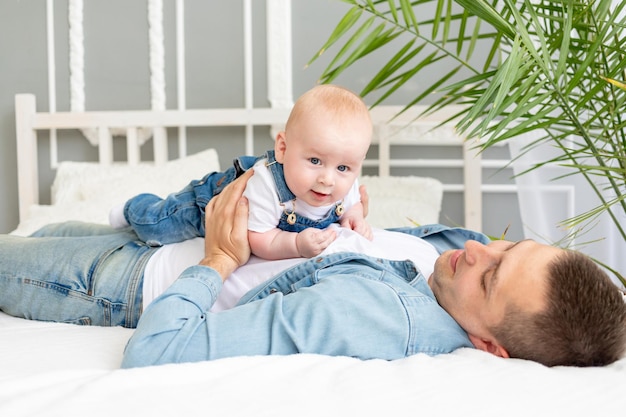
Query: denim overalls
[(180, 216)]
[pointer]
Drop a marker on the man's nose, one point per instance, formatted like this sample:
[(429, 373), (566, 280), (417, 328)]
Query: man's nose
[(476, 251)]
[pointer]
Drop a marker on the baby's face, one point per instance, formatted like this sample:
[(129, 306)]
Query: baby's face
[(322, 158)]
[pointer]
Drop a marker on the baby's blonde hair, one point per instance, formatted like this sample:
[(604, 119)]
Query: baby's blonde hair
[(333, 99)]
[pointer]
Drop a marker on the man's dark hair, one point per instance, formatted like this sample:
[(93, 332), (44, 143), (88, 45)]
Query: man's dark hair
[(583, 323)]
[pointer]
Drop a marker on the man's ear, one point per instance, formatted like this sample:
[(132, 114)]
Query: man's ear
[(280, 145), (490, 346)]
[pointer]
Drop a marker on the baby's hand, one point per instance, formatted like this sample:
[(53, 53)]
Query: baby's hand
[(311, 242)]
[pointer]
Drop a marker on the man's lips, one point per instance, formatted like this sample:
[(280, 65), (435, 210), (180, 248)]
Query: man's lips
[(454, 258)]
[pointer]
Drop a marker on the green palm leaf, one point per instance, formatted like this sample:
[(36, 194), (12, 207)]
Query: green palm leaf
[(556, 67)]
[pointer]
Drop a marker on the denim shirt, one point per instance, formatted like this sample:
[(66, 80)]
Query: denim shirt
[(344, 304)]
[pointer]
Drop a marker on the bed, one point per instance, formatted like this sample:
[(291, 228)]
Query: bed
[(60, 369)]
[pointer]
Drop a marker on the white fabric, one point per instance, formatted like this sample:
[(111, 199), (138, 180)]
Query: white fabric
[(167, 263), (402, 201), (53, 369), (116, 217), (265, 207), (386, 244), (171, 260), (86, 181), (86, 191), (547, 198)]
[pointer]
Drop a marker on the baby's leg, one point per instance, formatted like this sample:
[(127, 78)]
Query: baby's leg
[(160, 221), (180, 216)]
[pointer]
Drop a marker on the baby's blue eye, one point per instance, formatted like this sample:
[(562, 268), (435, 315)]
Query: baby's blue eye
[(342, 168), (315, 161)]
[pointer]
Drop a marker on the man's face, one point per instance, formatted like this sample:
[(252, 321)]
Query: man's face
[(476, 284)]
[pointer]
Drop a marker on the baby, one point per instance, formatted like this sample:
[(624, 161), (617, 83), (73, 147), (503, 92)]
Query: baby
[(305, 184)]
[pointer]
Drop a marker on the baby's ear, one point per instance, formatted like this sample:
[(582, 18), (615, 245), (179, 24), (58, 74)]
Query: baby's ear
[(280, 146)]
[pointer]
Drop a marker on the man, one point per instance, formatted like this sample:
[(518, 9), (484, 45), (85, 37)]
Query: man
[(519, 299), (511, 299)]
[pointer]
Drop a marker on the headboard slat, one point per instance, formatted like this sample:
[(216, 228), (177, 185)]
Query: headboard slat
[(165, 118), (132, 146), (160, 145), (27, 178), (472, 174), (105, 146)]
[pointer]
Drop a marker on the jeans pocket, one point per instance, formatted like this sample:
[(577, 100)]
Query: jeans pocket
[(81, 321)]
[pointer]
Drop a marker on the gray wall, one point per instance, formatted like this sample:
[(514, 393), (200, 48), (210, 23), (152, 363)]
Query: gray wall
[(117, 77)]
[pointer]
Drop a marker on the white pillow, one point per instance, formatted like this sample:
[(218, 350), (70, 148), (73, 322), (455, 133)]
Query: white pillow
[(87, 181), (41, 215), (86, 191), (403, 201)]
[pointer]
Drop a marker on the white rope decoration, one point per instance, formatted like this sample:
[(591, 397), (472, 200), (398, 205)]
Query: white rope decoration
[(157, 54), (77, 65)]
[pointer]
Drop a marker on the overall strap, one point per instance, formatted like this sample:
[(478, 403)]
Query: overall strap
[(276, 168)]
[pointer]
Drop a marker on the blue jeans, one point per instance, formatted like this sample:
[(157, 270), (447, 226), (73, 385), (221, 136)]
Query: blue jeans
[(74, 273), (180, 216)]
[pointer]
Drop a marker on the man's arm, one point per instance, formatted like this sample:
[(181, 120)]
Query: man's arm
[(365, 199), (226, 244), (165, 327)]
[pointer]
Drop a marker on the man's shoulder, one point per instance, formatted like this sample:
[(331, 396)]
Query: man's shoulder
[(444, 237)]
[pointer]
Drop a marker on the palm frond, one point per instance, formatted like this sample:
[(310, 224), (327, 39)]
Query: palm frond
[(552, 67)]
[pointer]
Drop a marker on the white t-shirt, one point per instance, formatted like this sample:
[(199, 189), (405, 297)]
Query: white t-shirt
[(171, 260), (265, 208)]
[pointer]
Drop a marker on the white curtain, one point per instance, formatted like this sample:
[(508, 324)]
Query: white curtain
[(546, 200)]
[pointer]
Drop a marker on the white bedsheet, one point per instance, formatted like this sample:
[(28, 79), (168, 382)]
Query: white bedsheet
[(52, 369)]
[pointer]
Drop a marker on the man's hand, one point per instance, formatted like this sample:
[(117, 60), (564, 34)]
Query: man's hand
[(365, 199), (311, 242), (355, 219), (226, 244)]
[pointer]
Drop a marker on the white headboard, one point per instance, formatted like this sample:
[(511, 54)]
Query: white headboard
[(404, 131), (152, 124)]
